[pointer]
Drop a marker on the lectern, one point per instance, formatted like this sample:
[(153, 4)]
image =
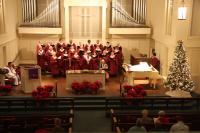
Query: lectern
[(30, 77)]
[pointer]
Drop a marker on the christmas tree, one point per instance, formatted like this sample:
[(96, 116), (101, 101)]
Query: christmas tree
[(179, 76)]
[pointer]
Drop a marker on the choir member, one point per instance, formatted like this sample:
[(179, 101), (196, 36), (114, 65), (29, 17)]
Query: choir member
[(54, 65), (94, 62), (113, 69), (155, 62), (104, 66), (41, 58), (79, 56)]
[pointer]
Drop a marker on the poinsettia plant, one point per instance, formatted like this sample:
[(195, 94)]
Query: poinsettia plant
[(5, 89), (134, 91), (86, 86), (42, 92)]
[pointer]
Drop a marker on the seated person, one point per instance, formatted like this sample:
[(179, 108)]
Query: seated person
[(12, 73), (138, 128), (104, 66), (41, 128), (162, 119), (179, 127), (57, 126), (146, 120)]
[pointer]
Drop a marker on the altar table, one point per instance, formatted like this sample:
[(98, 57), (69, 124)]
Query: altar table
[(85, 75)]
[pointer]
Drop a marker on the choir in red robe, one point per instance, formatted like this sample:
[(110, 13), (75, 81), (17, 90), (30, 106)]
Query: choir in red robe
[(61, 57)]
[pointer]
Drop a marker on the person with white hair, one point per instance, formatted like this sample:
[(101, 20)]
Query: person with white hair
[(12, 74), (162, 119)]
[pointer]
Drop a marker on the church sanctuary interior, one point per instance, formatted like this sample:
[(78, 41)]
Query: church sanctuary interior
[(98, 66)]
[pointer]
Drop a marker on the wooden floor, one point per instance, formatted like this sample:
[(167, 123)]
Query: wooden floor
[(112, 87)]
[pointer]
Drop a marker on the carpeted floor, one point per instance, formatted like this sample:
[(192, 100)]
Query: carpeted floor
[(91, 122), (112, 87)]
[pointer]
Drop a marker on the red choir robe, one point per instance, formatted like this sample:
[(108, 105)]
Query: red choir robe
[(113, 68), (94, 63), (41, 59), (48, 56), (75, 62), (155, 63), (54, 66), (66, 62), (83, 63)]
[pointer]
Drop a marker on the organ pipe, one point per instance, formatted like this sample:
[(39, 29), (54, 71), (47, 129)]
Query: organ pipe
[(122, 17), (49, 17)]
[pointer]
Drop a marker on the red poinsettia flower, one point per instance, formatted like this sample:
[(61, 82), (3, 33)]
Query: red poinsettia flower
[(40, 88), (143, 93), (132, 92), (98, 83), (6, 88), (85, 85), (75, 86), (42, 92), (138, 88), (94, 87), (127, 87), (49, 88)]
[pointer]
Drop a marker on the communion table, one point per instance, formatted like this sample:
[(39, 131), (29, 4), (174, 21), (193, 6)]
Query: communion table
[(85, 75), (30, 77)]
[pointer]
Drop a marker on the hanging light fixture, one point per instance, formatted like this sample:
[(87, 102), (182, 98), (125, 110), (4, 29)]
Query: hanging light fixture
[(182, 11)]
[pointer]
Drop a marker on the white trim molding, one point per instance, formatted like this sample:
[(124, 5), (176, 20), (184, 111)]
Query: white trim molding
[(132, 31), (47, 31)]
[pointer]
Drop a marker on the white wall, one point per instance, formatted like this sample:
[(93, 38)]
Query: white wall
[(9, 40), (156, 18), (27, 46), (181, 30)]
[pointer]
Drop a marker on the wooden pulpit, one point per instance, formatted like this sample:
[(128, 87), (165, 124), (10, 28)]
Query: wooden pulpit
[(30, 77)]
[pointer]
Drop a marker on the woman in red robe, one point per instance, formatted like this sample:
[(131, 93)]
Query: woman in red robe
[(94, 62), (54, 65), (113, 68), (41, 58)]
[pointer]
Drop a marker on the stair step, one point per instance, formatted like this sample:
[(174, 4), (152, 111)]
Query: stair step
[(89, 98), (88, 107)]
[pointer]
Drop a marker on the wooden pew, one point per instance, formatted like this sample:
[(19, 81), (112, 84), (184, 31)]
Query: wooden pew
[(152, 103), (124, 121), (30, 105), (29, 123)]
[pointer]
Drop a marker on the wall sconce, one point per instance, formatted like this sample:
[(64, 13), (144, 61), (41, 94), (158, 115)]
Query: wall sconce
[(182, 11)]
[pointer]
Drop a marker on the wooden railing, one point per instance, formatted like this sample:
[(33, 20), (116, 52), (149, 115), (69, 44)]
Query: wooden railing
[(25, 113), (29, 123), (28, 104), (153, 103)]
